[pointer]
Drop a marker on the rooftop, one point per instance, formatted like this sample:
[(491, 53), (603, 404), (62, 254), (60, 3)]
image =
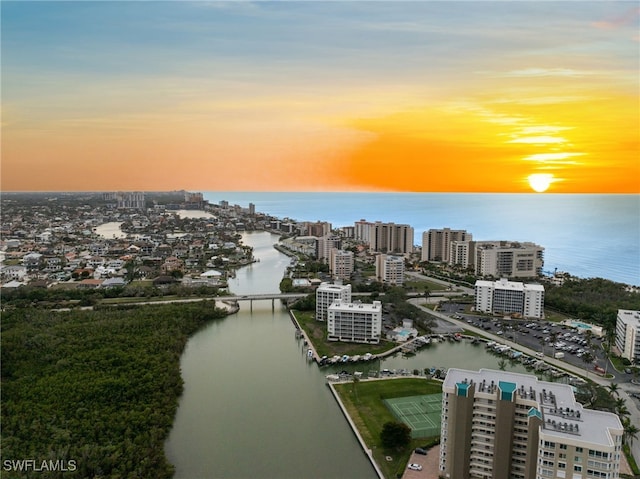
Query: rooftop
[(630, 318), (555, 403)]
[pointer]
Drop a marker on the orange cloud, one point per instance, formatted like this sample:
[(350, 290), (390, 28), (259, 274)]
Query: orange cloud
[(494, 146)]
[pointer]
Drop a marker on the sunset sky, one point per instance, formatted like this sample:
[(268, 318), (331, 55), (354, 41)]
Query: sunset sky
[(321, 96)]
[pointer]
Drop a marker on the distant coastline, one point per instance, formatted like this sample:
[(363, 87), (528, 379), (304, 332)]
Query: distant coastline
[(587, 235)]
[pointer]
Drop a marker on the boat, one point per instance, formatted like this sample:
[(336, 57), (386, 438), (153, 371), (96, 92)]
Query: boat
[(344, 358), (367, 357), (332, 377), (355, 358), (309, 353)]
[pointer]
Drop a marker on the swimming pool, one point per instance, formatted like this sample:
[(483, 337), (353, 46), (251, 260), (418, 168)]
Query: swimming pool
[(596, 330), (576, 324)]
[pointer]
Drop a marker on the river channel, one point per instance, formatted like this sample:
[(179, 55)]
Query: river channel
[(253, 406)]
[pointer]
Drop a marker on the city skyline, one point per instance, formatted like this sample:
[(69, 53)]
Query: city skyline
[(321, 96)]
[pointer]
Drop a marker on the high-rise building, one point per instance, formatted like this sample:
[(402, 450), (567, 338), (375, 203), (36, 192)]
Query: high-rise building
[(134, 200), (461, 253), (510, 298), (354, 322), (341, 263), (361, 230), (390, 269), (327, 293), (436, 243), (628, 334), (390, 238), (498, 424), (384, 237), (325, 244), (319, 228), (508, 259)]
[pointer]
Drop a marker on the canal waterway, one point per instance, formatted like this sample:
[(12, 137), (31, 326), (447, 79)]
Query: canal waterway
[(254, 406)]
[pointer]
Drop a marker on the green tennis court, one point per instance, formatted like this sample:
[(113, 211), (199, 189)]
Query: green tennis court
[(422, 414)]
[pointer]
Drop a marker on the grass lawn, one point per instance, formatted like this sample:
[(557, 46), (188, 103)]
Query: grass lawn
[(419, 284), (631, 460), (317, 333), (554, 316), (363, 402)]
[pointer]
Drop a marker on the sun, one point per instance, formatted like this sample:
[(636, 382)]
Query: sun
[(540, 181)]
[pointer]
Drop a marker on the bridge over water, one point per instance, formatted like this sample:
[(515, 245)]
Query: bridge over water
[(262, 296), (292, 296)]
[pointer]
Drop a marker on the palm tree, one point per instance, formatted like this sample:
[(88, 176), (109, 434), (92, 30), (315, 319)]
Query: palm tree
[(587, 358), (356, 381), (542, 343), (554, 339), (621, 408), (613, 389), (630, 432)]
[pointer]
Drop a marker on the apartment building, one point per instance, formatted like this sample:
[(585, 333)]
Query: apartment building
[(341, 263), (354, 322), (498, 424), (319, 228), (390, 238), (325, 244), (327, 294), (390, 269), (436, 243), (628, 334), (510, 298), (508, 259), (384, 237), (130, 200), (461, 253), (361, 230)]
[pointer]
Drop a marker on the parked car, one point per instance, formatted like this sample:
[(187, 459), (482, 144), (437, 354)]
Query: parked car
[(419, 450), (415, 467)]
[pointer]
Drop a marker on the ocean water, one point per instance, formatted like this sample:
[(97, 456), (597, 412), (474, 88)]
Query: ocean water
[(586, 235)]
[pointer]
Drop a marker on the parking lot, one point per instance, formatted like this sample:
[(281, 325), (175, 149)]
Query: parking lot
[(428, 462), (546, 337)]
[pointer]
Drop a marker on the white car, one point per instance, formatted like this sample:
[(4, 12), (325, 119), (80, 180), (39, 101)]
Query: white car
[(415, 467)]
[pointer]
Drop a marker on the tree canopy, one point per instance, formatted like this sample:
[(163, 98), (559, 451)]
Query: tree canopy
[(98, 387), (395, 434)]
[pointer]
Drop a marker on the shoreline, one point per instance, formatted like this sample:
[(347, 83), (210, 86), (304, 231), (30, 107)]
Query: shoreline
[(355, 431)]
